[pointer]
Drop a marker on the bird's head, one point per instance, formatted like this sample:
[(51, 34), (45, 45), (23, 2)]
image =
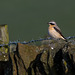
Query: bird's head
[(51, 23)]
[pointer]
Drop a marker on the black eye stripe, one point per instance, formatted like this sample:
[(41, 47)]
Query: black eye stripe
[(52, 23)]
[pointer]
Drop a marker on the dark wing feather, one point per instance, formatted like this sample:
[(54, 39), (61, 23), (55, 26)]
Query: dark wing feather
[(59, 32)]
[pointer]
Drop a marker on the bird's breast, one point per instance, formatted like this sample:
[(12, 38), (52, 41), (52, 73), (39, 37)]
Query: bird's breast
[(53, 33)]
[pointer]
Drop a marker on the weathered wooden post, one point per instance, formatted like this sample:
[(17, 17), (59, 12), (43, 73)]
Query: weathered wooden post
[(4, 39)]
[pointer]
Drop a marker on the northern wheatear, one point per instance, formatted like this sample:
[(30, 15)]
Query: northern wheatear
[(54, 31)]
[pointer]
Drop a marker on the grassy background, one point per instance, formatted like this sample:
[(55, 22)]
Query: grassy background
[(27, 19)]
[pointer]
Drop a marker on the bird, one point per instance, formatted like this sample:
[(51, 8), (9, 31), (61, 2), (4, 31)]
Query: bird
[(54, 31)]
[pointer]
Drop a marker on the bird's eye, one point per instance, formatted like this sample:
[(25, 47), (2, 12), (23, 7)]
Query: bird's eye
[(52, 23)]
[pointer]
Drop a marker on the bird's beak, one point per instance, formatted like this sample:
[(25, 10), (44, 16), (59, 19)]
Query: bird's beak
[(48, 23)]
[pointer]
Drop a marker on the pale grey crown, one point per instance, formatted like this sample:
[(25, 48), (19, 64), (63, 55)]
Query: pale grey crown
[(52, 23)]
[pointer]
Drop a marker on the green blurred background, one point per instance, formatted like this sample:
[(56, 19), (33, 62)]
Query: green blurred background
[(27, 19)]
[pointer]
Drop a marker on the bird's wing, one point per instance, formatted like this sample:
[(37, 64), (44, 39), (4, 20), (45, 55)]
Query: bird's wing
[(57, 27), (59, 32)]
